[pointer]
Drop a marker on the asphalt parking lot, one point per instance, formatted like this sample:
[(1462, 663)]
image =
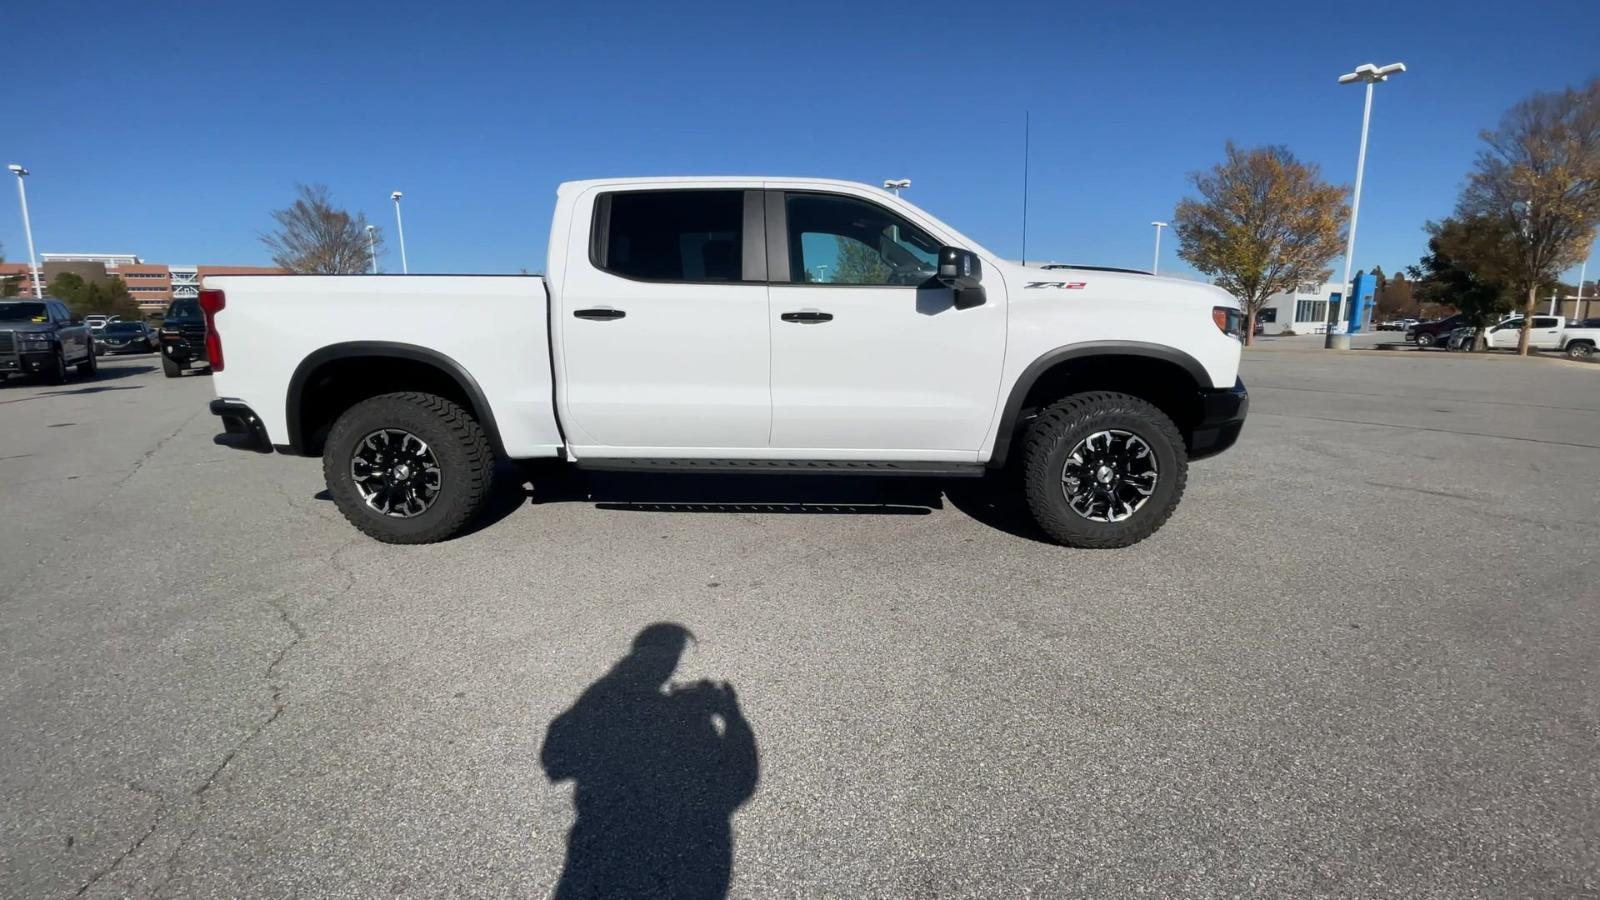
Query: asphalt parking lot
[(1362, 659)]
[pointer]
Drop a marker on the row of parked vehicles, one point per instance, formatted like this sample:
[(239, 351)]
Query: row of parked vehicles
[(1577, 339), (44, 338)]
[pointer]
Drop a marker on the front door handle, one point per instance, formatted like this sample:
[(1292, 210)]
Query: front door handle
[(807, 317), (599, 313)]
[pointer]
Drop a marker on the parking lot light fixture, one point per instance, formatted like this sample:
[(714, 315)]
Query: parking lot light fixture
[(1369, 75), (400, 231), (897, 185), (1155, 265), (27, 228)]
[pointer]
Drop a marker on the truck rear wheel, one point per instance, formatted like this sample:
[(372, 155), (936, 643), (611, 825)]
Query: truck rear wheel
[(1103, 469), (1580, 350), (408, 468)]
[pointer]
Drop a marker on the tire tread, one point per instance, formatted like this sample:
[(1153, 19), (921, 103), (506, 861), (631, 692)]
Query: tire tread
[(1046, 434), (464, 431)]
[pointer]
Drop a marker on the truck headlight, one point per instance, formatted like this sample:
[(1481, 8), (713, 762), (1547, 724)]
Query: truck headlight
[(37, 343)]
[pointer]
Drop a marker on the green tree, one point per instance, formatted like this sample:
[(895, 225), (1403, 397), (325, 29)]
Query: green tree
[(68, 288), (315, 237), (858, 264), (1468, 267), (1263, 223), (1539, 176), (86, 298)]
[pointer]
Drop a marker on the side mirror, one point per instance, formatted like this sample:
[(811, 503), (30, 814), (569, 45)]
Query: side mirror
[(962, 272)]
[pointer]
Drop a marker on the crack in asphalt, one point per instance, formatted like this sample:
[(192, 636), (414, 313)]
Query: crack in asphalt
[(155, 822), (279, 705)]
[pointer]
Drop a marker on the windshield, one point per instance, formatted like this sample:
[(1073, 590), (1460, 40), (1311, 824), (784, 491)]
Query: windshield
[(183, 309), (123, 328), (24, 312)]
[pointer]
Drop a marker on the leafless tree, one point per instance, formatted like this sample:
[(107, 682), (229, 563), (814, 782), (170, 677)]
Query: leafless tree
[(316, 238), (1540, 174)]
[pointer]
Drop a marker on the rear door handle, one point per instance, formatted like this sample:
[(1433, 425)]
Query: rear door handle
[(600, 313), (807, 317)]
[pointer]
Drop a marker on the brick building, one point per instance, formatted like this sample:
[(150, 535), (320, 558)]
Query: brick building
[(153, 285)]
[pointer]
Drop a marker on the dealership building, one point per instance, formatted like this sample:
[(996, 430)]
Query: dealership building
[(153, 285)]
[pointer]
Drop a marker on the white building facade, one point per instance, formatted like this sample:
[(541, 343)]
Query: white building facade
[(1303, 310)]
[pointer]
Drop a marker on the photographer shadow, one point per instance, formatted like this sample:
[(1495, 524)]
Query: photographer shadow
[(659, 771)]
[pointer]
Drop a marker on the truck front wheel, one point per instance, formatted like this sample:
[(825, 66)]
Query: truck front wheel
[(1103, 469), (408, 468)]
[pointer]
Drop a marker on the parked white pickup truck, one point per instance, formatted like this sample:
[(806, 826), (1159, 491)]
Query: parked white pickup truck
[(736, 325), (1546, 333)]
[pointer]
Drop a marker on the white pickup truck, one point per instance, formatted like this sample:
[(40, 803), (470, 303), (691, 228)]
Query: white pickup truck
[(1546, 333), (736, 325)]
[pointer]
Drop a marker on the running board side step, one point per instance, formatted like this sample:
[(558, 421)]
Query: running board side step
[(789, 467)]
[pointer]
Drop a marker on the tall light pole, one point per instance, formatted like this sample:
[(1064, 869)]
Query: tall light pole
[(1155, 267), (897, 185), (400, 229), (1370, 75), (372, 246), (1577, 306), (27, 228)]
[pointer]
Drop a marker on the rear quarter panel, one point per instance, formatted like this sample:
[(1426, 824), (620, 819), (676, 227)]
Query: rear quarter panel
[(494, 327)]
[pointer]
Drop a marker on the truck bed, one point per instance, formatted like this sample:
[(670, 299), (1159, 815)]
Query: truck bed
[(493, 329)]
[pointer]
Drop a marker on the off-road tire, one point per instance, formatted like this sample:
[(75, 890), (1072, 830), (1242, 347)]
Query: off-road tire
[(1580, 350), (466, 465), (1425, 341), (172, 369), (1060, 427), (90, 366)]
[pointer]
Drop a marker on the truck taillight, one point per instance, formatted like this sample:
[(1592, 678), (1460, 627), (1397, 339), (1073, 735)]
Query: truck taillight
[(211, 303)]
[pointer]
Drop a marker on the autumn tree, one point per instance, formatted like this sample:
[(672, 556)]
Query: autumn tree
[(1539, 176), (1263, 222), (316, 238), (1394, 297)]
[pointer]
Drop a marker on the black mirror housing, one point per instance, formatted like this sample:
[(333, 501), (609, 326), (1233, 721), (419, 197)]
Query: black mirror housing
[(962, 272), (959, 268)]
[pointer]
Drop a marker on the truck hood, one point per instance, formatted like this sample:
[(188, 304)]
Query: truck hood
[(1133, 287)]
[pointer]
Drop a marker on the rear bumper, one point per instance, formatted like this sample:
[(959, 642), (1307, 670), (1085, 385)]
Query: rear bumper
[(1222, 415), (241, 427)]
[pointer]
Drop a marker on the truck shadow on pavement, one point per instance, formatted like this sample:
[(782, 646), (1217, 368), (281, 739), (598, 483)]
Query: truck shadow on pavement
[(658, 770)]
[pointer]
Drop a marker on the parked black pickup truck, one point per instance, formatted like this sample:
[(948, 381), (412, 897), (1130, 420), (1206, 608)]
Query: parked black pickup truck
[(1430, 334), (183, 337), (41, 337)]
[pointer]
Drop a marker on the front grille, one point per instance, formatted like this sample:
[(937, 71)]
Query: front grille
[(8, 342)]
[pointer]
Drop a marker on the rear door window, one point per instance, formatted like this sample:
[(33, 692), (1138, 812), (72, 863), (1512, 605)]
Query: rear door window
[(691, 236)]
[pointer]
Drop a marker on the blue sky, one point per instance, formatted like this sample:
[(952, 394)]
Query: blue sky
[(172, 129)]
